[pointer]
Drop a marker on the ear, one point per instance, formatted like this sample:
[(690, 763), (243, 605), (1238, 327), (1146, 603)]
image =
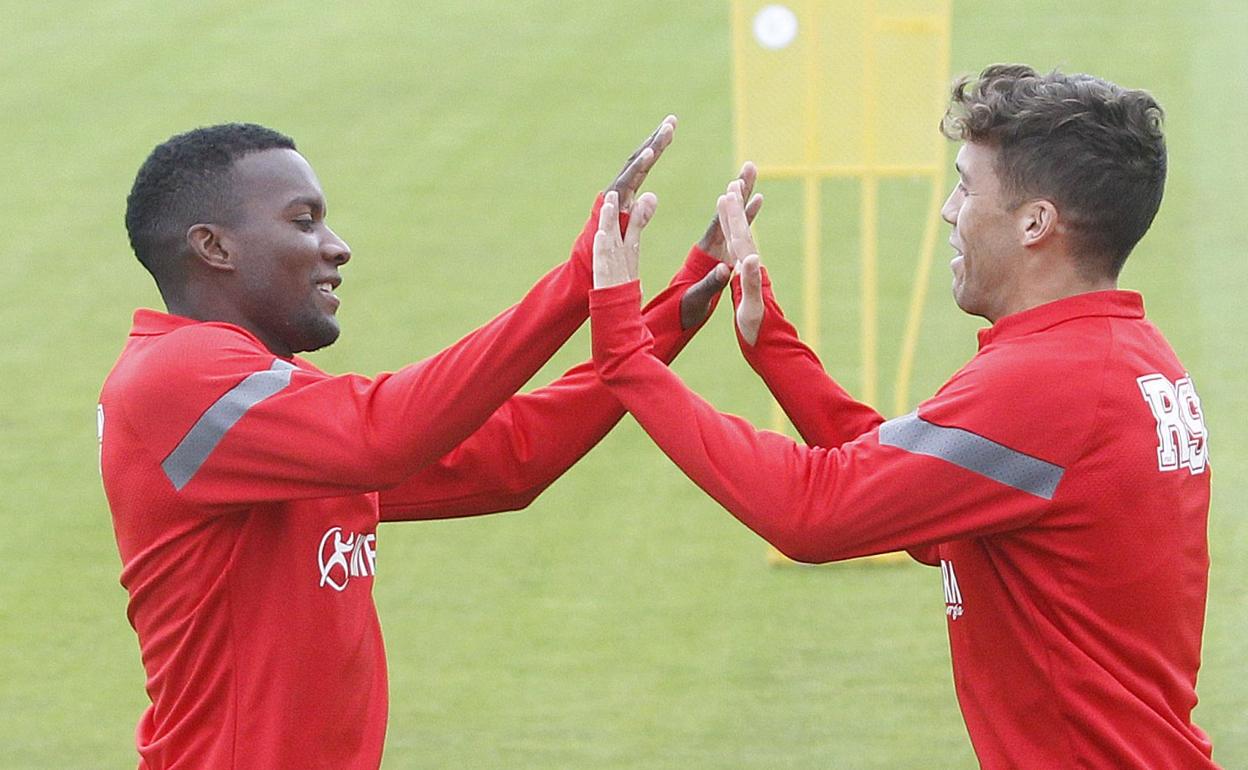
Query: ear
[(1038, 222), (208, 247)]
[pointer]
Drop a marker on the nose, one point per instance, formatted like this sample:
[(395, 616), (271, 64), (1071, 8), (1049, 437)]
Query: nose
[(949, 212), (335, 249)]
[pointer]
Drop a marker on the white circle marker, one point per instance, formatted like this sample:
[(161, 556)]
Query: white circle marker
[(775, 26)]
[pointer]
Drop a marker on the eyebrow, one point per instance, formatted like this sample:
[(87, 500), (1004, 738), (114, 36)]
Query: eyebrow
[(961, 171), (316, 204)]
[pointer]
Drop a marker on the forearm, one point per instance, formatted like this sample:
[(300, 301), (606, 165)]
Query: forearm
[(823, 412), (463, 385), (812, 503), (718, 452), (535, 437)]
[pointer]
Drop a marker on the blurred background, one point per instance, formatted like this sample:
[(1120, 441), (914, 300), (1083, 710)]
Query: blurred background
[(624, 620)]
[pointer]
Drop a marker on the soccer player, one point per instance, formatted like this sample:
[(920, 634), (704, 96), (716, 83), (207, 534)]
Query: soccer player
[(1060, 479), (246, 485)]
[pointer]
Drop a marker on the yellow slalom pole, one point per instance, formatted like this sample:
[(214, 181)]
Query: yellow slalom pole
[(812, 269), (811, 184), (868, 231), (918, 290), (739, 41), (812, 207), (918, 296), (870, 284)]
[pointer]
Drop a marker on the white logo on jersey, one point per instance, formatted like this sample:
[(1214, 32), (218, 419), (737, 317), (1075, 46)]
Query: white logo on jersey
[(953, 594), (340, 560), (99, 432), (1182, 441)]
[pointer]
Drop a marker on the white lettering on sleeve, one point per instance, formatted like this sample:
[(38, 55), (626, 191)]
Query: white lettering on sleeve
[(1182, 439)]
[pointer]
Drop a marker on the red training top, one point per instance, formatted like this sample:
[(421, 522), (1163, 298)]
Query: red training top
[(1060, 480), (244, 492)]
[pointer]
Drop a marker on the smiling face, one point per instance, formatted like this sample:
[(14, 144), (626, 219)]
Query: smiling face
[(987, 265), (285, 257)]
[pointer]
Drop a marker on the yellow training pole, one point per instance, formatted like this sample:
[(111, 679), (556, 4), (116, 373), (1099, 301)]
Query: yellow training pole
[(847, 89), (868, 323), (918, 295), (868, 231)]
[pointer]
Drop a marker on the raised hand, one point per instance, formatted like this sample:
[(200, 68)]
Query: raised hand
[(616, 258), (696, 303), (713, 241), (744, 253), (629, 180)]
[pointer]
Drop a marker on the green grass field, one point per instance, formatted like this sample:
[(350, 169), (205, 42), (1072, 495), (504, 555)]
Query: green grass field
[(624, 620)]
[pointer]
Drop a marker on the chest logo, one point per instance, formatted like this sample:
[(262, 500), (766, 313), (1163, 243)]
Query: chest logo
[(1182, 441), (953, 594), (342, 558)]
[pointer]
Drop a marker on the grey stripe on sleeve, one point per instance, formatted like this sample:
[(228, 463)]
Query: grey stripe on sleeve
[(185, 460), (974, 453)]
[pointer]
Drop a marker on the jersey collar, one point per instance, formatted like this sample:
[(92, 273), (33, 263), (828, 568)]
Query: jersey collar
[(1112, 303), (153, 323), (148, 323)]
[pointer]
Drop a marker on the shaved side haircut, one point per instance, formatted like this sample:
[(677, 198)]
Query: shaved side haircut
[(186, 181)]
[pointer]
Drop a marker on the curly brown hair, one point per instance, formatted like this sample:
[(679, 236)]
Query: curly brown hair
[(1093, 148)]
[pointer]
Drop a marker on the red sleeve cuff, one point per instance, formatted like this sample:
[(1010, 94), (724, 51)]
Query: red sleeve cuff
[(699, 263), (616, 325)]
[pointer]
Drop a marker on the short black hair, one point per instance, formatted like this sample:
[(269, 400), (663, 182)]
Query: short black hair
[(184, 182)]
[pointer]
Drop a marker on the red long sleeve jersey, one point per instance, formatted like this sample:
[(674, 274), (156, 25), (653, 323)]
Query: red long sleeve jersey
[(245, 497), (1060, 480)]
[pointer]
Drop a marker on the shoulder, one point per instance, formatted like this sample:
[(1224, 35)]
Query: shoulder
[(186, 364), (1038, 393)]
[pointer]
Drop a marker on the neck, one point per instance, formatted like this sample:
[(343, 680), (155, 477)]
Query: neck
[(1049, 278), (1051, 292), (208, 305)]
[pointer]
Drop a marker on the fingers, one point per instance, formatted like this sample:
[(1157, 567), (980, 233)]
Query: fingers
[(753, 207), (609, 268), (735, 222), (663, 135), (643, 159), (752, 279), (630, 250), (643, 211), (634, 173), (750, 311), (659, 138), (714, 239), (695, 305), (609, 215), (735, 226), (616, 259), (603, 267), (748, 176)]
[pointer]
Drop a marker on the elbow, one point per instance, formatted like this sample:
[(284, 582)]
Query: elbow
[(821, 543), (782, 522), (801, 551), (797, 540), (521, 498)]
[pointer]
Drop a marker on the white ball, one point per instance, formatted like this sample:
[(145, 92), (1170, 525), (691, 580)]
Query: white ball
[(775, 26)]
